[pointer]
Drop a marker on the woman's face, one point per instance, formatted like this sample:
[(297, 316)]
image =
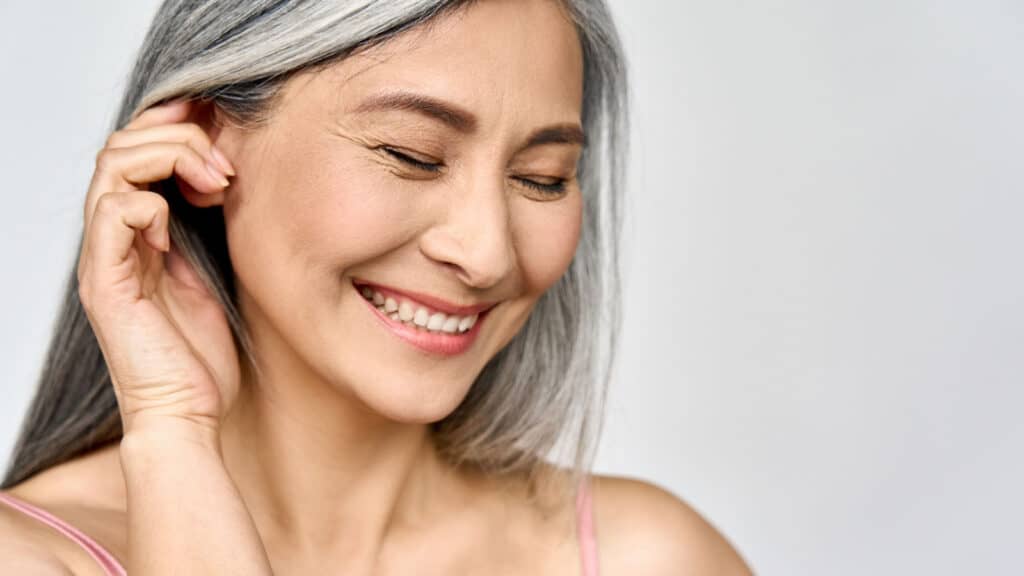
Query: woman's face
[(441, 164)]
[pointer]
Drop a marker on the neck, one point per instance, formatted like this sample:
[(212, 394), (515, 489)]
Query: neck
[(322, 474)]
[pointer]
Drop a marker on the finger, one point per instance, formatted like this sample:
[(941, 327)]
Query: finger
[(130, 169), (110, 241), (182, 133), (173, 111)]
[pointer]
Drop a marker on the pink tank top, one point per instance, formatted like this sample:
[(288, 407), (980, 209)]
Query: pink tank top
[(111, 567)]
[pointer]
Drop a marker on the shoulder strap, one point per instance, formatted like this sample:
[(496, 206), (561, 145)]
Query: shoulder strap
[(585, 529), (105, 559)]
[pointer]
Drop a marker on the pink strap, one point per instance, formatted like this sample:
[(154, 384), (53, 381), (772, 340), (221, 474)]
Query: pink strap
[(585, 528), (107, 560)]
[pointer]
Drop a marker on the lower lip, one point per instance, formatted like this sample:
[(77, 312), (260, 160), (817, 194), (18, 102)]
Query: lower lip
[(433, 342)]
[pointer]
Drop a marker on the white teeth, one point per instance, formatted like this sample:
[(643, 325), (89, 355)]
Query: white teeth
[(451, 324), (421, 318), (412, 315), (436, 321), (405, 311)]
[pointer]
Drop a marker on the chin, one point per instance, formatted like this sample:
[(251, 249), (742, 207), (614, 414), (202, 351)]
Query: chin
[(421, 403), (415, 414)]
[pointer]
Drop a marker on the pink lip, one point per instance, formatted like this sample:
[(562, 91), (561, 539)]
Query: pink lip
[(432, 342), (427, 300)]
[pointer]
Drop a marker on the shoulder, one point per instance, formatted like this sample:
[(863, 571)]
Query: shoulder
[(67, 491), (642, 528), (24, 548)]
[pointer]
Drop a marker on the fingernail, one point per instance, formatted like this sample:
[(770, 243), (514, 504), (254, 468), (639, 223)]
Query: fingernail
[(217, 175), (221, 159)]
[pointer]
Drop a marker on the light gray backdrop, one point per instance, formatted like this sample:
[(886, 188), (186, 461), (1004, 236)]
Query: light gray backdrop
[(825, 297)]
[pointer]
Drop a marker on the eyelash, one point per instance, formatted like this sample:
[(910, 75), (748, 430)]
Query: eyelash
[(555, 188)]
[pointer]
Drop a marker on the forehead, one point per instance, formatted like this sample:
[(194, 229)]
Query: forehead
[(504, 60)]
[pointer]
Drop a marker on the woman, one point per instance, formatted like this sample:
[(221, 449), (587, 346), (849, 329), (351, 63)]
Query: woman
[(343, 276)]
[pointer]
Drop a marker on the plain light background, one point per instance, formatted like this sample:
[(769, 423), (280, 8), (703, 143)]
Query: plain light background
[(822, 349)]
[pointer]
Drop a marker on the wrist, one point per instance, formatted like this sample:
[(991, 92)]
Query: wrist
[(158, 433)]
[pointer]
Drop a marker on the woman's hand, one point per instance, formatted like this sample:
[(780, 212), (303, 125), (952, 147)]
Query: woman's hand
[(165, 338), (171, 355)]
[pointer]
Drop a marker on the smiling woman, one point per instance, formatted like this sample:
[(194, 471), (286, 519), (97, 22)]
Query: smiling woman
[(346, 296)]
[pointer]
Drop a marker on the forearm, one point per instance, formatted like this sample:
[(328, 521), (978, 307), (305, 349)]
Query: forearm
[(185, 515)]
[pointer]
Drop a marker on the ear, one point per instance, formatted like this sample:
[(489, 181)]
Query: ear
[(204, 114)]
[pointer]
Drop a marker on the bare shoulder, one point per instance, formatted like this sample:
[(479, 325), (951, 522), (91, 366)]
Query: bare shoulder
[(77, 493), (642, 528), (24, 549)]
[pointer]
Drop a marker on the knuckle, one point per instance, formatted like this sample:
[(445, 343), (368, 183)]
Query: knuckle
[(183, 149), (114, 139), (196, 133), (84, 294), (108, 202), (162, 204), (105, 159), (157, 200)]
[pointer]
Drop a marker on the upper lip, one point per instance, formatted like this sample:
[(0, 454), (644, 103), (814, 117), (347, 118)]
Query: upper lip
[(433, 302)]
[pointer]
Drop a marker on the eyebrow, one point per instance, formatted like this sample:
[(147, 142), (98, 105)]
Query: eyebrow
[(462, 120)]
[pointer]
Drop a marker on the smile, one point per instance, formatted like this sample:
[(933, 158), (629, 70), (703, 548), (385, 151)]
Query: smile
[(438, 327)]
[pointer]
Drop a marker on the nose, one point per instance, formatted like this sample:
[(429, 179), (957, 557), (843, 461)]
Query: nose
[(474, 236)]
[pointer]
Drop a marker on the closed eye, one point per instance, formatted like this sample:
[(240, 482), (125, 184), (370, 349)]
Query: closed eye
[(428, 166), (553, 188)]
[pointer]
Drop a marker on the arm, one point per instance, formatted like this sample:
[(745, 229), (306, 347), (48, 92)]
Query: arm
[(169, 348), (185, 515)]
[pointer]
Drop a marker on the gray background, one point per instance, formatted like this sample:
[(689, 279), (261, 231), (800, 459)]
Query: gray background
[(822, 348)]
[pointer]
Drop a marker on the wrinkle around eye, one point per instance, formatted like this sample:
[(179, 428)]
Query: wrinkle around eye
[(414, 159), (546, 169), (372, 148), (400, 169)]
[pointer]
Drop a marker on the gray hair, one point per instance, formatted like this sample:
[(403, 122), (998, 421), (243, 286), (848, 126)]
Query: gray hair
[(542, 396)]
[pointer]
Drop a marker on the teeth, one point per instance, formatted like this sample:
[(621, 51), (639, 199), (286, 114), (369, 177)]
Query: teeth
[(405, 311), (436, 321), (451, 324), (414, 315), (421, 318)]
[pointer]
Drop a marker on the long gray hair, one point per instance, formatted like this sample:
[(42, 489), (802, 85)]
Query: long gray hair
[(541, 397)]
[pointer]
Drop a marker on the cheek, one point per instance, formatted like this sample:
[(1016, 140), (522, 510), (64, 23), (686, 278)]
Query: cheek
[(352, 212), (317, 213), (547, 235)]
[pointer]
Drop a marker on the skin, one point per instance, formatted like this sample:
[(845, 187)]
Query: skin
[(340, 415)]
